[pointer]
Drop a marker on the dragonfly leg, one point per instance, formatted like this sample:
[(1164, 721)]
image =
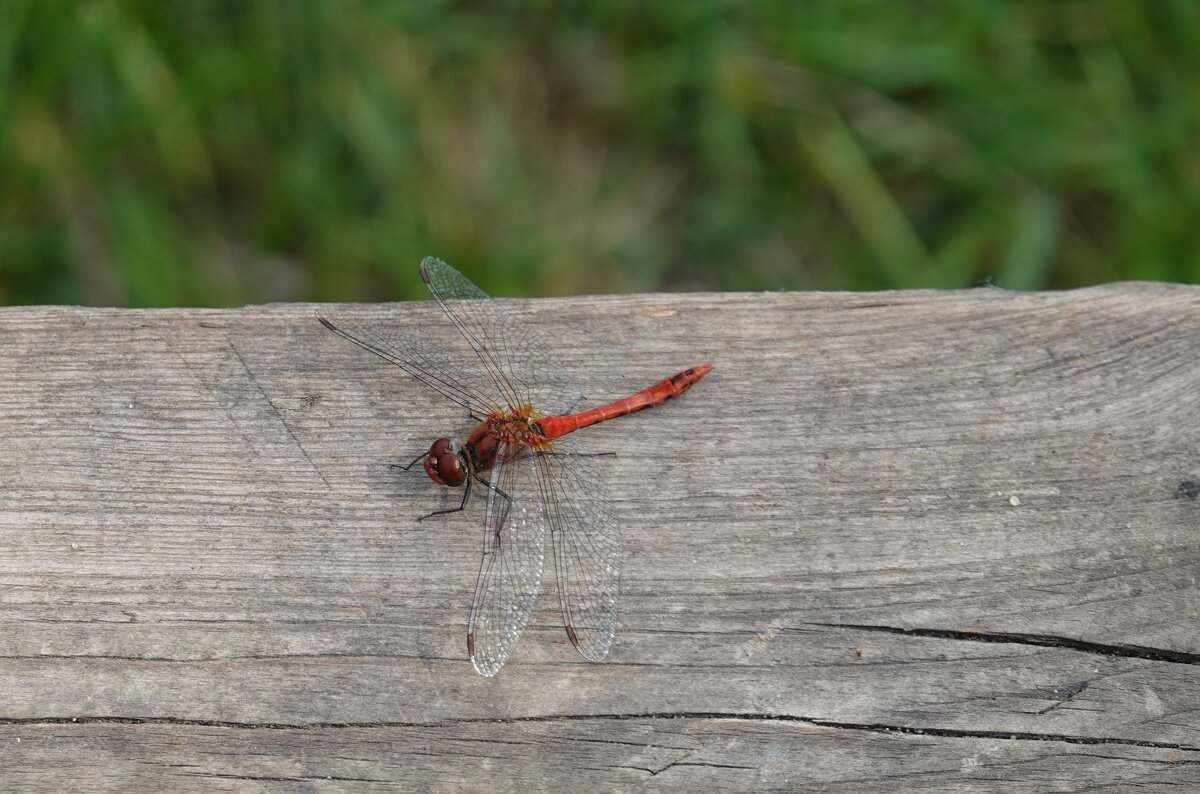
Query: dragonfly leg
[(508, 502), (499, 492), (467, 495), (459, 509), (409, 465)]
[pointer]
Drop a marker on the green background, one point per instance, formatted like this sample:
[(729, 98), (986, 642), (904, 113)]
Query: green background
[(219, 153)]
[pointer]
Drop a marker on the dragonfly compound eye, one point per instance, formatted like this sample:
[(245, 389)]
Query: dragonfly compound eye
[(450, 469), (443, 464)]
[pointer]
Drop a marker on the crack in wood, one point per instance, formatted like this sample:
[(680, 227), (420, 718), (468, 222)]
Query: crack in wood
[(684, 762), (278, 414), (272, 779), (715, 766), (1042, 640), (661, 769), (1064, 695), (184, 660), (954, 733)]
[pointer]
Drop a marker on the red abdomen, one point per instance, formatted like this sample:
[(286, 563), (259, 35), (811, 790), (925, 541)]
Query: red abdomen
[(558, 426)]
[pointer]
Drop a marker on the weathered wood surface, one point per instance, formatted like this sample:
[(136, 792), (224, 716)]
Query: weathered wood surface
[(893, 541)]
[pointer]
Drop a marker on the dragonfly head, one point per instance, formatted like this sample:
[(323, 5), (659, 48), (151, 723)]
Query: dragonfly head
[(446, 464)]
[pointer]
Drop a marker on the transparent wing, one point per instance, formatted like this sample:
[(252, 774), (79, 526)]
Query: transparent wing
[(517, 359), (510, 576), (445, 365), (587, 545)]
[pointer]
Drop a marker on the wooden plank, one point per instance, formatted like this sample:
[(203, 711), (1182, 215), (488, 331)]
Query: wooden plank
[(717, 755), (990, 496)]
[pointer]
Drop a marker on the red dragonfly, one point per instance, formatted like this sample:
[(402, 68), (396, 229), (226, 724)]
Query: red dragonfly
[(539, 479)]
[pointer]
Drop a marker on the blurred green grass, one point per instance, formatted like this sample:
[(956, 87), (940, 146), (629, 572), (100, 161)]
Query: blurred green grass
[(218, 153)]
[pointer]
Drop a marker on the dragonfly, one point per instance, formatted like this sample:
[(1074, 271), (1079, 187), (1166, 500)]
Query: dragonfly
[(539, 478)]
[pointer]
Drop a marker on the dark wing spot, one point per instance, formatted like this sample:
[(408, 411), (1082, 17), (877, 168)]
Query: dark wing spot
[(1189, 489)]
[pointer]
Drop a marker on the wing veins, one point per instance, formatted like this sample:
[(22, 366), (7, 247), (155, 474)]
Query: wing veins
[(448, 388)]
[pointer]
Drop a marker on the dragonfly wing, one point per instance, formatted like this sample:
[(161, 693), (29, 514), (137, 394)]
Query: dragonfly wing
[(587, 546), (519, 361), (510, 576), (427, 357)]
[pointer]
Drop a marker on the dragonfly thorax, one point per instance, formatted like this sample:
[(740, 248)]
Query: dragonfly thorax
[(446, 463)]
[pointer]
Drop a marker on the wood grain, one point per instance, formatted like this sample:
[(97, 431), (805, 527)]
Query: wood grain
[(893, 541)]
